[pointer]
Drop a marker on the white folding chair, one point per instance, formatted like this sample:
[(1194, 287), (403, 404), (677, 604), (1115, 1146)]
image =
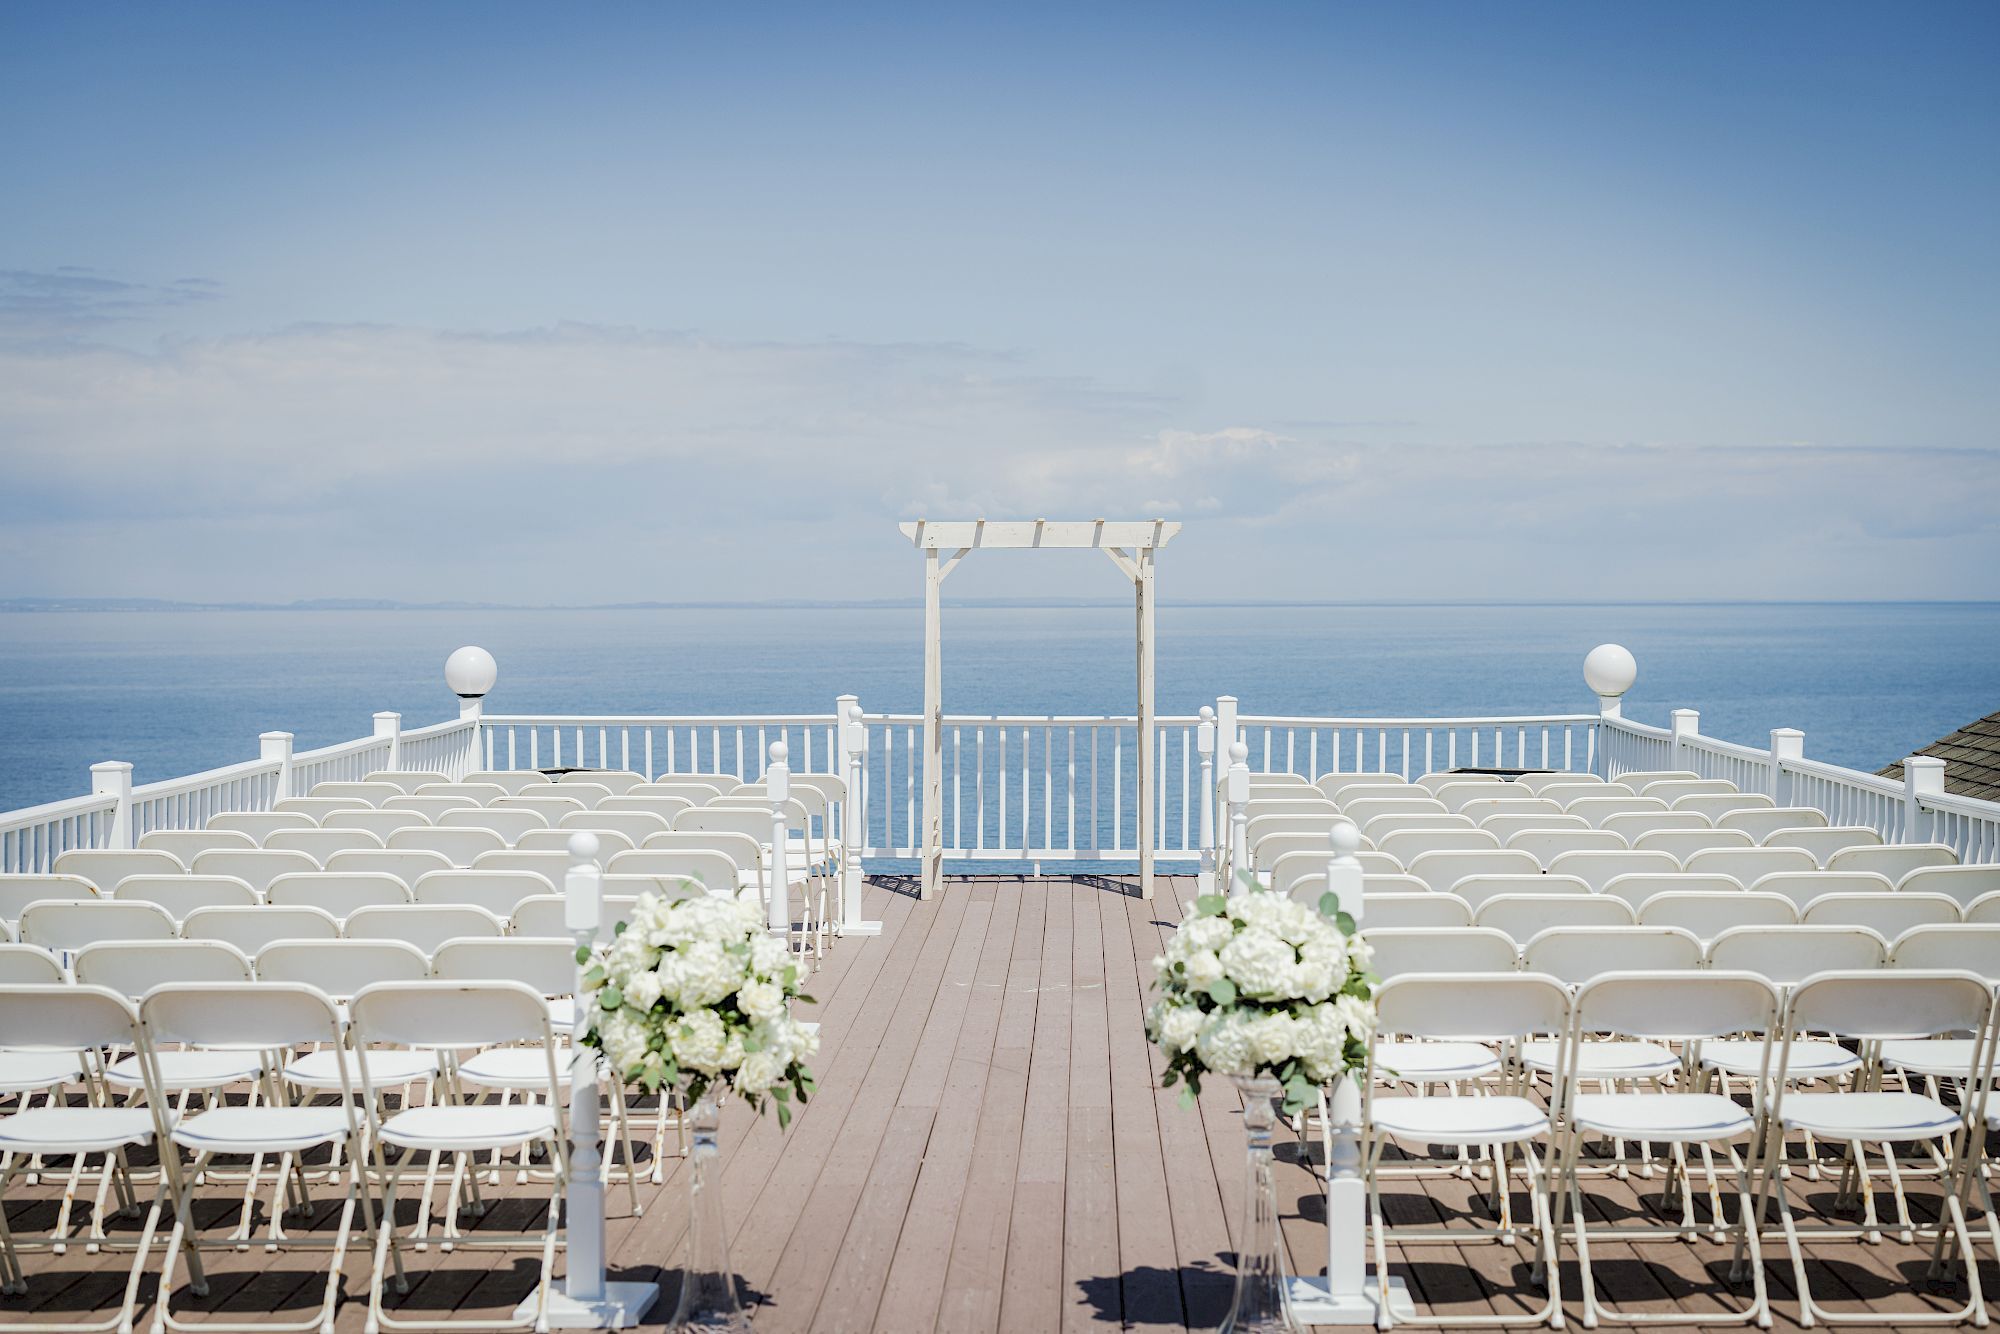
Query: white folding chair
[(1714, 805), (184, 844), (406, 864), (1888, 915), (1963, 884), (1422, 911), (1576, 955), (1408, 844), (336, 892), (460, 847), (1802, 887), (316, 807), (1472, 1011), (509, 824), (550, 808), (1334, 784), (1872, 1007), (1638, 887), (383, 822), (481, 793), (408, 780), (183, 894), (319, 844), (636, 823), (1446, 867), (372, 793), (1685, 843), (1545, 845), (1658, 1008), (1596, 807), (1525, 916), (609, 841), (233, 1018), (1786, 956), (431, 806), (446, 1018), (18, 891), (251, 929), (106, 867), (615, 781), (1467, 950), (1749, 865), (1758, 821), (1634, 823), (508, 780), (63, 1019), (1486, 807), (421, 925), (551, 866), (260, 825), (1504, 827), (543, 915), (1640, 779), (586, 793), (1671, 790), (1599, 867), (255, 867), (65, 926), (496, 891), (1478, 890), (1536, 782), (1892, 860), (1707, 914), (1823, 843)]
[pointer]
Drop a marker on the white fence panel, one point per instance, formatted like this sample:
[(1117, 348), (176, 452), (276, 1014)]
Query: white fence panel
[(32, 838), (187, 803), (1414, 747)]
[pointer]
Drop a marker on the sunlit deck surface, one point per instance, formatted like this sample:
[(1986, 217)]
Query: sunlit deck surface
[(988, 1150)]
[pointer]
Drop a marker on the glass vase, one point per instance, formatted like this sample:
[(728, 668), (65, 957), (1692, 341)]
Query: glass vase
[(1259, 1305), (708, 1285)]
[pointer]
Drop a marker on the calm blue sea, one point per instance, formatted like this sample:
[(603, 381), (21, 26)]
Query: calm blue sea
[(178, 692)]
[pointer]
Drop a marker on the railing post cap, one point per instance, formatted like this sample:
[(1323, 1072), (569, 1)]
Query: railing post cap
[(274, 736), (583, 846), (853, 711), (388, 713), (1346, 839), (1786, 732), (1208, 713), (1239, 752), (111, 767), (779, 750)]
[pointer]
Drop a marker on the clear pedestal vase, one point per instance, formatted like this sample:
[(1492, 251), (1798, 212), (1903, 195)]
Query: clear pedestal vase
[(708, 1285), (1259, 1305)]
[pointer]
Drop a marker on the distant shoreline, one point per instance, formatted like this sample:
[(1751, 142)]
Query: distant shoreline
[(59, 606)]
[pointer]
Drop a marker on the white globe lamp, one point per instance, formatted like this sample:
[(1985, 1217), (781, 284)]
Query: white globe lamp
[(1609, 670), (470, 672)]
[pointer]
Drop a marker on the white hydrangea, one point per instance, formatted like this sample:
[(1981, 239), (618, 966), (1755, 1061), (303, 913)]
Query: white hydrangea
[(1270, 1037), (768, 954), (1259, 963), (700, 1041), (760, 1001), (625, 1040), (700, 973), (642, 989), (1224, 1044), (760, 1072), (1175, 1027), (1202, 968)]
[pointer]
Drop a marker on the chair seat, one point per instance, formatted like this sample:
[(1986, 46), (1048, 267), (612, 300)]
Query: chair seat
[(1496, 1120), (386, 1069), (190, 1069), (261, 1129), (1435, 1062), (487, 1126), (1810, 1060), (27, 1071), (1605, 1060), (1869, 1116), (1683, 1117), (60, 1130), (514, 1068), (1946, 1058)]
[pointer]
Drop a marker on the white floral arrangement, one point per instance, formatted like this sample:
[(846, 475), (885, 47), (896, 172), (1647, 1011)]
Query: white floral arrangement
[(1255, 984), (696, 993)]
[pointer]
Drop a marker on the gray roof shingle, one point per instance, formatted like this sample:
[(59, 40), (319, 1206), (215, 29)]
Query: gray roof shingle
[(1971, 758)]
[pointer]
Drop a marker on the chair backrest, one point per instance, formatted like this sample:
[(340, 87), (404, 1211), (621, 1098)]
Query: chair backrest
[(1823, 842), (1334, 784), (1562, 794), (509, 824), (1525, 916), (1443, 778), (1706, 915), (337, 892), (263, 1016), (458, 846), (551, 866), (134, 967), (1985, 908), (580, 789), (319, 844), (380, 821), (613, 781), (406, 864), (694, 791), (1597, 809), (260, 825), (1409, 844), (1289, 803), (1443, 869), (1292, 833), (407, 780), (1962, 883), (1474, 1004), (183, 844), (1504, 827), (65, 1017), (251, 929), (68, 926), (1790, 954), (509, 780), (660, 808), (724, 819), (1471, 949), (716, 872), (1545, 845), (255, 867), (372, 793), (18, 891), (1637, 889), (451, 1015), (183, 894), (1556, 778), (481, 793), (1598, 869), (1802, 887), (1671, 790), (28, 965), (1392, 882), (495, 891), (1749, 865), (1678, 1005), (423, 925), (1361, 810), (1289, 876), (551, 807), (1478, 889), (1890, 915), (543, 916), (1712, 806), (431, 807), (1634, 823), (1685, 843), (1761, 820), (341, 967), (1275, 781), (1637, 779), (1459, 794), (314, 807), (546, 963), (1390, 912), (1511, 805), (636, 824), (1894, 860), (105, 867), (1966, 948), (1890, 1003), (1578, 953)]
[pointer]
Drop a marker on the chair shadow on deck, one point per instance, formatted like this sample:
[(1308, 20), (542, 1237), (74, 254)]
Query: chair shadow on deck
[(1192, 1296)]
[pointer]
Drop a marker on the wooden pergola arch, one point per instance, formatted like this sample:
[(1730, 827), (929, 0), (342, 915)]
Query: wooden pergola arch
[(1132, 545)]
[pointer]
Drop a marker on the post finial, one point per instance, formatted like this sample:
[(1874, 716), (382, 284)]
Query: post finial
[(1239, 752), (583, 846), (854, 713), (1346, 839), (1208, 713), (779, 750)]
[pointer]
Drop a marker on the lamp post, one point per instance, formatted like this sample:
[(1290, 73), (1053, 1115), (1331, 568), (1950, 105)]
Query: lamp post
[(470, 673)]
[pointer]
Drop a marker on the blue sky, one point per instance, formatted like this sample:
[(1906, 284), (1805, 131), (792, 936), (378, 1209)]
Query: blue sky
[(631, 302)]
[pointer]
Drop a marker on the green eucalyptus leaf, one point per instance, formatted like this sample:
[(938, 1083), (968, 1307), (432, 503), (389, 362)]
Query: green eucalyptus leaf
[(611, 998), (1329, 904), (1222, 991), (1210, 905), (583, 954), (1345, 922)]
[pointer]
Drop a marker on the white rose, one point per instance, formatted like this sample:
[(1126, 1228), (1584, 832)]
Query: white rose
[(760, 1072), (1357, 1016), (1179, 1026)]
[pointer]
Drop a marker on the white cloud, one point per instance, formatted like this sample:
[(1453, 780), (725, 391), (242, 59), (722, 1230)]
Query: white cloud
[(583, 463)]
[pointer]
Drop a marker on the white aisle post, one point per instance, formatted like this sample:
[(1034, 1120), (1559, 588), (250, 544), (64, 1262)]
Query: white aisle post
[(778, 783), (1239, 815), (854, 824), (1347, 1295), (1205, 742), (584, 1300)]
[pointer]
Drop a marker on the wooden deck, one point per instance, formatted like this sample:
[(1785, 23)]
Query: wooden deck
[(988, 1150)]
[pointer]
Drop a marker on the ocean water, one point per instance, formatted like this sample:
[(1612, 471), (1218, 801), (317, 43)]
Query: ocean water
[(176, 692)]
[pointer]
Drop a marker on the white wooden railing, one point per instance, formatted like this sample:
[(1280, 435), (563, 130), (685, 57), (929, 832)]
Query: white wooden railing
[(656, 745), (33, 837), (188, 803), (1413, 747)]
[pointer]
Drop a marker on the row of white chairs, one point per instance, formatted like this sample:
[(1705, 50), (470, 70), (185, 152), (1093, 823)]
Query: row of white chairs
[(1706, 913)]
